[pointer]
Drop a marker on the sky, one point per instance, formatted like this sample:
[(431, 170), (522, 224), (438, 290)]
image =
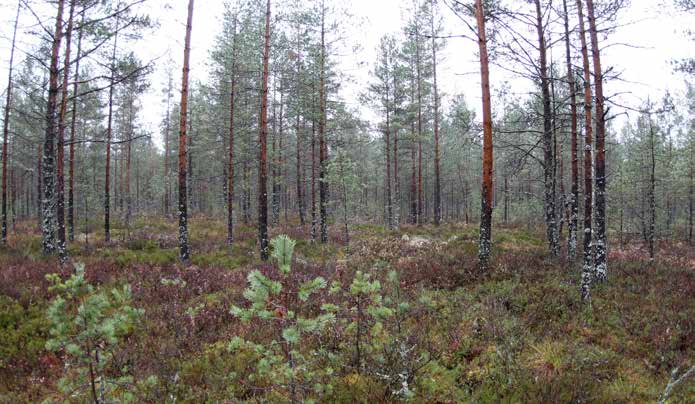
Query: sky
[(653, 30)]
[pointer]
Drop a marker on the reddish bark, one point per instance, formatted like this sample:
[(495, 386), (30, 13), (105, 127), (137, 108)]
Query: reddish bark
[(486, 192), (601, 242)]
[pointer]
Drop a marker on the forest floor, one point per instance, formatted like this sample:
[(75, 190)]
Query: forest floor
[(517, 333)]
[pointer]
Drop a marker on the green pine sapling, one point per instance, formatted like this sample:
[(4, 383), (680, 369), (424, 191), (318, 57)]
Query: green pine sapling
[(87, 324), (275, 302)]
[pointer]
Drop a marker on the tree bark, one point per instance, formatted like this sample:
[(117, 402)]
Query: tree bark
[(601, 269), (437, 179), (574, 196), (48, 165), (184, 252), (109, 134), (548, 152), (486, 191), (60, 174), (230, 169), (5, 129), (323, 147), (263, 146), (71, 156), (587, 270)]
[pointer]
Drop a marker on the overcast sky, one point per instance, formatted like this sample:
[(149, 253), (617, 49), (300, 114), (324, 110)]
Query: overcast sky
[(655, 32)]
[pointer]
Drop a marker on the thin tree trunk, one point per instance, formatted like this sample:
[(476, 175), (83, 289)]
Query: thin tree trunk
[(109, 134), (5, 129), (601, 269), (313, 182), (574, 197), (184, 253), (437, 179), (71, 156), (548, 155), (230, 169), (587, 271), (486, 192), (652, 191), (323, 147), (387, 140), (263, 145), (48, 217)]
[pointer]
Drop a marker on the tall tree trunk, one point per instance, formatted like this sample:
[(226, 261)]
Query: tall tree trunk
[(263, 146), (652, 191), (5, 129), (574, 197), (437, 179), (601, 269), (184, 252), (486, 192), (396, 182), (48, 165), (323, 147), (230, 169), (73, 124), (691, 190), (387, 144), (60, 175), (587, 270), (313, 181), (298, 87), (418, 78), (548, 155), (109, 134), (167, 128)]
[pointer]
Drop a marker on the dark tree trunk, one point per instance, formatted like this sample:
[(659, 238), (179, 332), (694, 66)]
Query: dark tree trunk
[(5, 130), (48, 165), (263, 146), (587, 271), (60, 172), (548, 155), (323, 147), (184, 253), (574, 196), (313, 182), (486, 192)]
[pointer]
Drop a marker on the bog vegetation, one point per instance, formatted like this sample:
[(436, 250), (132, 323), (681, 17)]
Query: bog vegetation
[(272, 244)]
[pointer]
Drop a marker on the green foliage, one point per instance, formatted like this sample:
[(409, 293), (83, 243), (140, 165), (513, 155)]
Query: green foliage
[(23, 334), (87, 324), (280, 359)]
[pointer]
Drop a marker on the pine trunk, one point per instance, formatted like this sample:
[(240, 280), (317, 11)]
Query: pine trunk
[(184, 253), (601, 269), (48, 164), (486, 192), (574, 196), (587, 272), (5, 130), (263, 146)]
